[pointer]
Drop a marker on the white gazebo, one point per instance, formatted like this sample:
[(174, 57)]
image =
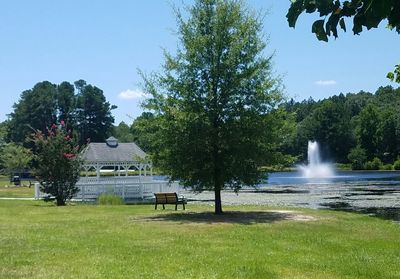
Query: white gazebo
[(116, 157), (113, 163)]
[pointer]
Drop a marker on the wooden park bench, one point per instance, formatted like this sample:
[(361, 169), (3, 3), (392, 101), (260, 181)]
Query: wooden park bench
[(169, 198)]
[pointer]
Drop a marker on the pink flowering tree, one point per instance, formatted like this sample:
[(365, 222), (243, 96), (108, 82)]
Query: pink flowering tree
[(57, 163)]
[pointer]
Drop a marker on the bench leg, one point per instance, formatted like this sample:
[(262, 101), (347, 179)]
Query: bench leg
[(176, 207), (155, 208), (183, 205), (163, 206)]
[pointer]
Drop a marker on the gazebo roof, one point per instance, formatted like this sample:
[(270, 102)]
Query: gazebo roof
[(112, 151)]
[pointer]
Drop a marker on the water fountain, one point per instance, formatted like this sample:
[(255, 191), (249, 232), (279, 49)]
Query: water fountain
[(315, 168)]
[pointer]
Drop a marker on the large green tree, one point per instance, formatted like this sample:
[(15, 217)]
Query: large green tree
[(365, 14), (93, 113), (36, 110), (215, 101)]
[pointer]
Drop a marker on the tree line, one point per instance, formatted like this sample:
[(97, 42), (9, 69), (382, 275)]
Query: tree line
[(361, 129), (81, 106), (356, 128)]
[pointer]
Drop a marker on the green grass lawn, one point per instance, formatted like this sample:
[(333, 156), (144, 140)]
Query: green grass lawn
[(8, 190), (39, 240)]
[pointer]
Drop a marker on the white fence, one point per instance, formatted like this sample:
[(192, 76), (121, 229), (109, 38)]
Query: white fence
[(129, 188)]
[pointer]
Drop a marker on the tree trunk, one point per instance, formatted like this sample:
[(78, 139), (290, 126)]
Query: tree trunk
[(218, 185), (218, 204), (60, 202)]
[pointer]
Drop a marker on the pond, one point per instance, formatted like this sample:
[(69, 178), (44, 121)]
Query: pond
[(375, 193), (372, 192), (279, 178)]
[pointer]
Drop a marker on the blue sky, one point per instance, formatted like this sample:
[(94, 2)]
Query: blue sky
[(106, 42)]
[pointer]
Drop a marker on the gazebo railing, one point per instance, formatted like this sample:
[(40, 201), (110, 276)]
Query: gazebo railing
[(129, 188)]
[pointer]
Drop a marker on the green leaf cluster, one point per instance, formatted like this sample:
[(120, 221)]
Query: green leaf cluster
[(395, 75), (365, 13)]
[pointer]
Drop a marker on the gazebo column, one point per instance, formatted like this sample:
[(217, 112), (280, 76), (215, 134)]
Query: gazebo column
[(98, 168), (86, 168)]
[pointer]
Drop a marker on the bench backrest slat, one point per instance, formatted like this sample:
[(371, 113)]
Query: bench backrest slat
[(166, 197)]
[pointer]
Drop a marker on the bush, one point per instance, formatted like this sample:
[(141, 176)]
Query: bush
[(110, 199), (357, 157), (57, 162), (340, 166), (387, 167), (375, 164), (396, 165)]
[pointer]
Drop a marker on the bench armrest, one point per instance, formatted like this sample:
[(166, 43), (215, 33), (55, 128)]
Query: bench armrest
[(181, 198)]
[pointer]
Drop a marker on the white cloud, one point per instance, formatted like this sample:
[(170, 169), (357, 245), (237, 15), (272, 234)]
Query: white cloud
[(130, 94), (326, 82)]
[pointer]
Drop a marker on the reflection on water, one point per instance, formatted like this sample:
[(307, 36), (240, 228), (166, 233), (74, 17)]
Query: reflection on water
[(369, 192)]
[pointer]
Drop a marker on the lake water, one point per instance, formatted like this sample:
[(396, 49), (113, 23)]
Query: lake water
[(371, 192), (375, 193), (340, 177)]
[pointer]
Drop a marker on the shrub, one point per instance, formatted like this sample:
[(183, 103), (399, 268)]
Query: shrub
[(340, 166), (375, 164), (57, 162), (109, 199), (357, 158), (396, 165), (387, 167)]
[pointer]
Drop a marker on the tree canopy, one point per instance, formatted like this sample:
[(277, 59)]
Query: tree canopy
[(123, 132), (215, 102), (94, 120), (36, 109), (83, 108)]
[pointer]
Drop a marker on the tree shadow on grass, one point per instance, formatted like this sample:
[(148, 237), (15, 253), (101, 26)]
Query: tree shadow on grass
[(386, 213), (231, 217)]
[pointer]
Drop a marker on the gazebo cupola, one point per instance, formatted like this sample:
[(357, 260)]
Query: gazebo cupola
[(117, 156), (112, 142)]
